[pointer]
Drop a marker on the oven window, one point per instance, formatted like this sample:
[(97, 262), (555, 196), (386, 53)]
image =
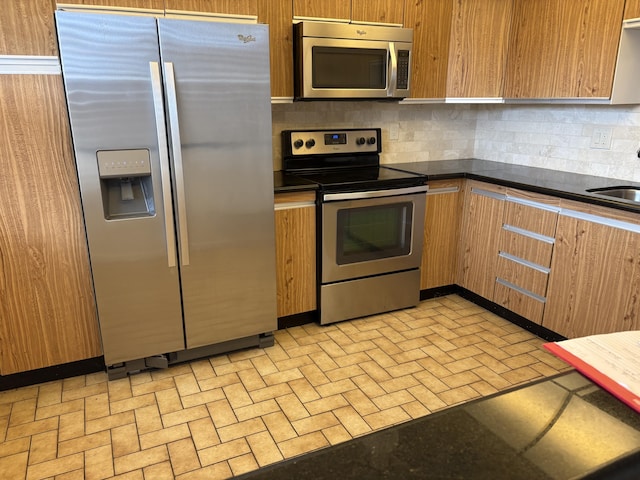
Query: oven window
[(372, 233), (336, 67)]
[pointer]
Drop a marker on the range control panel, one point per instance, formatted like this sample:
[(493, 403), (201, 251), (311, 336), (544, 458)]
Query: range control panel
[(327, 142)]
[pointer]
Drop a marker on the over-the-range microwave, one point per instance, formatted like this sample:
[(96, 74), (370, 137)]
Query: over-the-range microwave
[(343, 61)]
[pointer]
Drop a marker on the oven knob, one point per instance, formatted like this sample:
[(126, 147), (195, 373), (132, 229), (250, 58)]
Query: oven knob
[(298, 143), (360, 141), (371, 141), (310, 143)]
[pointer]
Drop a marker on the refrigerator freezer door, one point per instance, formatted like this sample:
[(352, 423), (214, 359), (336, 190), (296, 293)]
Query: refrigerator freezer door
[(108, 75), (219, 76)]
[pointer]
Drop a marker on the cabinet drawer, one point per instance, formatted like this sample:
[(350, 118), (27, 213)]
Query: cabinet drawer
[(530, 218), (523, 276), (518, 302), (528, 248)]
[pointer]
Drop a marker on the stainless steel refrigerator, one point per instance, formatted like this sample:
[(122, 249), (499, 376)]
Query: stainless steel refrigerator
[(171, 126)]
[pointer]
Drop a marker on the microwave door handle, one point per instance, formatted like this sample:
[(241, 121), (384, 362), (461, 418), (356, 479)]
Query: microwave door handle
[(393, 77)]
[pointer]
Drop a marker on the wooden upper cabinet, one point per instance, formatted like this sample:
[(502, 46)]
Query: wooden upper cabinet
[(227, 7), (278, 14), (334, 9), (147, 4), (366, 11), (563, 49), (377, 11), (478, 48), (27, 28), (431, 23), (632, 9)]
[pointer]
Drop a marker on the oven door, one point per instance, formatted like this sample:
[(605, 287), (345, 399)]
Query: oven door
[(371, 233)]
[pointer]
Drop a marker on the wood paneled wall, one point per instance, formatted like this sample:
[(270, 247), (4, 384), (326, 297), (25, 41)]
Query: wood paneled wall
[(47, 308)]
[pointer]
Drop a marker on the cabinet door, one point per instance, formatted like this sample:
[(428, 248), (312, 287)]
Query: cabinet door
[(431, 23), (478, 49), (147, 4), (295, 219), (441, 234), (333, 9), (377, 11), (563, 49), (26, 28), (595, 283), (227, 7), (482, 222), (526, 246), (47, 307), (277, 14), (632, 9)]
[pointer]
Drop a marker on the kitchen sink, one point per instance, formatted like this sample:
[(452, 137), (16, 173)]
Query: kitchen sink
[(625, 193)]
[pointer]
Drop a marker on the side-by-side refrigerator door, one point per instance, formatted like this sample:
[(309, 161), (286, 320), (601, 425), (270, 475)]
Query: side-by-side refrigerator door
[(218, 102), (112, 79)]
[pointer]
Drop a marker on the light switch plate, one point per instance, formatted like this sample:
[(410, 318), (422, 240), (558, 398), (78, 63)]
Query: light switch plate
[(601, 138)]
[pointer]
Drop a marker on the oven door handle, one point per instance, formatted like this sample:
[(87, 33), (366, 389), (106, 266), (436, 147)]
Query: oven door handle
[(392, 192)]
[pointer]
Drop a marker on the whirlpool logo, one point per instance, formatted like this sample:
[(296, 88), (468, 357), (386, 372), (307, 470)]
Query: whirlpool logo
[(246, 38)]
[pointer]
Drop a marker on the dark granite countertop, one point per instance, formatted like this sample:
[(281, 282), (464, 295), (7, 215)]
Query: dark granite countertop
[(284, 182), (564, 427), (572, 186)]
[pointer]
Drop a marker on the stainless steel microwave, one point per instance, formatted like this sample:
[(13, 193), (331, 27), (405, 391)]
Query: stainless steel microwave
[(342, 61)]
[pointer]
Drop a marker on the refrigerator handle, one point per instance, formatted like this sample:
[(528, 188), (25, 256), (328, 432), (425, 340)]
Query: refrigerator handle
[(156, 86), (176, 149)]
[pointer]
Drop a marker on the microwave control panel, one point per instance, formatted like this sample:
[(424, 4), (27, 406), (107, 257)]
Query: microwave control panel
[(403, 69)]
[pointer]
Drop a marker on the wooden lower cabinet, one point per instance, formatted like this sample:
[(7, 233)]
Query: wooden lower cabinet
[(595, 285), (47, 307), (295, 217), (441, 233), (481, 226), (526, 245)]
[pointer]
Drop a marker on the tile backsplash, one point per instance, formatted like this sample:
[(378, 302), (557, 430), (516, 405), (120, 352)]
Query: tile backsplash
[(424, 132), (542, 135), (559, 137)]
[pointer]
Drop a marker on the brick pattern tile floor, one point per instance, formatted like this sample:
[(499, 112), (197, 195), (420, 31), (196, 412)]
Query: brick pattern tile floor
[(230, 414)]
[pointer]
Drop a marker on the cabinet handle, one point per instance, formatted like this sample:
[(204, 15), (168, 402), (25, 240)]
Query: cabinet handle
[(487, 193), (441, 190), (163, 152), (521, 290), (609, 222)]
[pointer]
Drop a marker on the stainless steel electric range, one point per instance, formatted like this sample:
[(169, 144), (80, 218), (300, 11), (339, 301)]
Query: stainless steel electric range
[(370, 221)]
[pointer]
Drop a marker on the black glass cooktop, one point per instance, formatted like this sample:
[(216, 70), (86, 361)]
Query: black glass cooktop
[(362, 178)]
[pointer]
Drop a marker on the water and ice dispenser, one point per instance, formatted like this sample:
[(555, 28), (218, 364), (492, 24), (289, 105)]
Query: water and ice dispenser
[(125, 182)]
